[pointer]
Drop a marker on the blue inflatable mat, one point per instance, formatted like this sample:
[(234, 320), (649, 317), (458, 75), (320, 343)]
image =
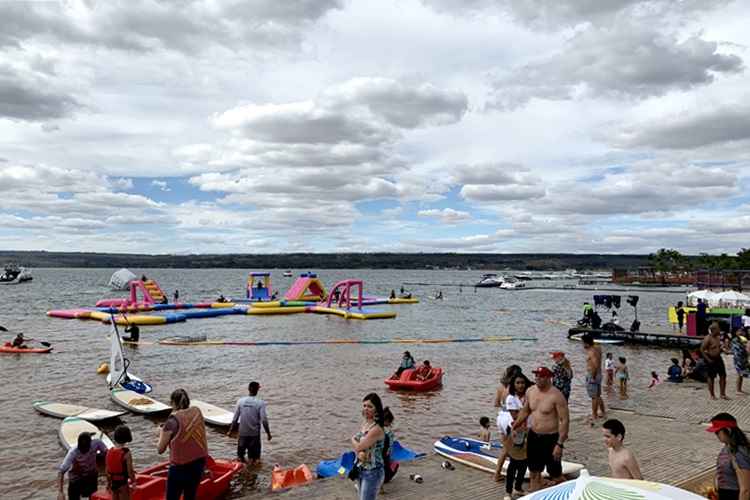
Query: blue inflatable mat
[(330, 468)]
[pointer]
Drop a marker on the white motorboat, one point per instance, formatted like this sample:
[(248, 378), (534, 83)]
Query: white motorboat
[(287, 274), (14, 275), (490, 281), (512, 284)]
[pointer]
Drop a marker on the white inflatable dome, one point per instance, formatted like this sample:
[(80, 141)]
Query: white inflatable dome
[(121, 279)]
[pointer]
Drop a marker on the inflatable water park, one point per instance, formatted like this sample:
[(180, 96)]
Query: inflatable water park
[(147, 304)]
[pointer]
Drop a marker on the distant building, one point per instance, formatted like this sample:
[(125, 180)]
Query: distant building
[(648, 276)]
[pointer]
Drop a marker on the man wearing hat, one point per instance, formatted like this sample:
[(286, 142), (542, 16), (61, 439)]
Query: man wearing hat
[(250, 413), (548, 430)]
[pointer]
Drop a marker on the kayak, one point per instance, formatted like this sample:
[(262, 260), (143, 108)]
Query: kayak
[(343, 464), (151, 483), (9, 349), (482, 455), (282, 478), (408, 380)]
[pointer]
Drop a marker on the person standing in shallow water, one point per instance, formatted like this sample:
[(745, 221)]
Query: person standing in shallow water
[(594, 377), (251, 414), (368, 447), (185, 434)]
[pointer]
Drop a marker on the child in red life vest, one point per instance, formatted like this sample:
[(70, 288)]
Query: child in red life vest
[(120, 465)]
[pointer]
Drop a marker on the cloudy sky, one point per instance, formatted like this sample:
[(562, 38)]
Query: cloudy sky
[(390, 125)]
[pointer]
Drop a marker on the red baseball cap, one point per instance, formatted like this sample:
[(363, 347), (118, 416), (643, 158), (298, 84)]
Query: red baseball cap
[(717, 425), (556, 354), (543, 371)]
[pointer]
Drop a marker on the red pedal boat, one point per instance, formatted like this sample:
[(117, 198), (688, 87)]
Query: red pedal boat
[(408, 380), (151, 483)]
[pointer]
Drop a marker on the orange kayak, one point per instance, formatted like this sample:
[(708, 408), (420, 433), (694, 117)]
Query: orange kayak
[(282, 478), (8, 348)]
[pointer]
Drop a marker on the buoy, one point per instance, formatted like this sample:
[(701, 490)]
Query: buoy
[(103, 369)]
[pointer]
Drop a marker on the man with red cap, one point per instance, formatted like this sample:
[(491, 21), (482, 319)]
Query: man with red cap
[(548, 430)]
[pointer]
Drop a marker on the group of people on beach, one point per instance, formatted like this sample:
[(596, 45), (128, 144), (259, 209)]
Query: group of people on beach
[(533, 422), (183, 433)]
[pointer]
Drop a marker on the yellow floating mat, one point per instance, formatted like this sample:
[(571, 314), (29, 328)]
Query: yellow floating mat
[(276, 310), (134, 319), (354, 315), (222, 305), (403, 301), (261, 305)]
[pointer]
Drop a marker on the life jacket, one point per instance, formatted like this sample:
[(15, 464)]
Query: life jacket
[(189, 444), (116, 467)]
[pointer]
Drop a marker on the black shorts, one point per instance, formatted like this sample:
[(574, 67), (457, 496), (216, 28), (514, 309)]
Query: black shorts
[(82, 487), (251, 444), (715, 367), (539, 452)]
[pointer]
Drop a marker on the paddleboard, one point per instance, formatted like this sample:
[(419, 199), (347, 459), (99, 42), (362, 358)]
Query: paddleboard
[(62, 410), (71, 427), (213, 414), (481, 455), (138, 403), (579, 338)]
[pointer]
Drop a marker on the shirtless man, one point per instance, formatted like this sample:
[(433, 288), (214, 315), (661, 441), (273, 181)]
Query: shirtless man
[(622, 462), (548, 430), (711, 352), (594, 377)]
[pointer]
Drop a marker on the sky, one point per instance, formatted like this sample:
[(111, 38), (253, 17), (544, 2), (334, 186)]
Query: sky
[(260, 126)]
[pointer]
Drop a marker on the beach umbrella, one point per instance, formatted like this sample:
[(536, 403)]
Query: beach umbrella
[(693, 297), (731, 298), (587, 487)]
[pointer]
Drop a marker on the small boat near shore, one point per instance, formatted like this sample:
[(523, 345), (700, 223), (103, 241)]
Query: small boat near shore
[(490, 280), (408, 381), (14, 274)]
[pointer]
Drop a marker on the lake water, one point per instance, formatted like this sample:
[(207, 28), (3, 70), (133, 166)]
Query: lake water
[(314, 393)]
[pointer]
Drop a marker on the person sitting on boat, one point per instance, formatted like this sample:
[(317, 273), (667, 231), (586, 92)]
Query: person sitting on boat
[(135, 333), (221, 298), (393, 294), (259, 285), (407, 362), (596, 321), (18, 342), (424, 371), (439, 295)]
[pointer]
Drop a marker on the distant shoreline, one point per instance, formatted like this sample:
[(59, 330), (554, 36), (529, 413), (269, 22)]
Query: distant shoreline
[(448, 261)]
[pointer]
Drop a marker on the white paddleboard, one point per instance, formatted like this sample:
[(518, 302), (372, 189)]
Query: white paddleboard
[(213, 414), (71, 427), (138, 403), (63, 410), (478, 454)]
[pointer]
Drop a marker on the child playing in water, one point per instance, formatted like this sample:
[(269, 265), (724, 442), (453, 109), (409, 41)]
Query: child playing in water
[(622, 377), (485, 434), (609, 368), (654, 380)]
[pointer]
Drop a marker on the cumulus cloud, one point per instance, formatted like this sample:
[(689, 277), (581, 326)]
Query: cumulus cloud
[(497, 182), (446, 215), (161, 185), (543, 14), (27, 94), (646, 187), (621, 61), (147, 25), (689, 131)]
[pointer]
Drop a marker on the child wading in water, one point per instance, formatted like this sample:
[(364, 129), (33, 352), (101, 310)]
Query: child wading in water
[(609, 368), (120, 465), (622, 377), (485, 434)]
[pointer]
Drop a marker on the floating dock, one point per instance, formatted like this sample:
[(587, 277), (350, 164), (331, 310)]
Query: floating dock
[(642, 338)]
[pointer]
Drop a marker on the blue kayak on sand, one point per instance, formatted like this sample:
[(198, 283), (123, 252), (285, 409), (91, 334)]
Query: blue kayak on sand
[(330, 468)]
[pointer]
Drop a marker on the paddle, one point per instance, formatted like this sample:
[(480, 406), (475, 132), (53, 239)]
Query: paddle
[(45, 344)]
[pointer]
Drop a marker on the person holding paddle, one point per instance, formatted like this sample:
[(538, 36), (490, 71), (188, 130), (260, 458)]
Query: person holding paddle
[(18, 342)]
